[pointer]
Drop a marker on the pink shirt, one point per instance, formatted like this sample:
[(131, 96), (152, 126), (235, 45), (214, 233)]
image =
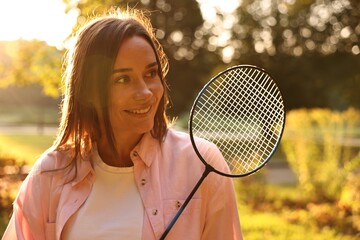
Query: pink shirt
[(164, 173)]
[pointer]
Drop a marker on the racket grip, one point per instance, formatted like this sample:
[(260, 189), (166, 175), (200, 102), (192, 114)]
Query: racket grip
[(208, 169)]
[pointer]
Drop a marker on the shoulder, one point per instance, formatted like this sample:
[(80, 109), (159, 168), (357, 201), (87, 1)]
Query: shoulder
[(39, 179), (181, 140), (177, 136), (177, 142), (49, 170), (179, 154), (52, 159), (179, 149)]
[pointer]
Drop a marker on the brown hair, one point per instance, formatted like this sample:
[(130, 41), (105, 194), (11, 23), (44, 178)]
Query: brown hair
[(88, 68)]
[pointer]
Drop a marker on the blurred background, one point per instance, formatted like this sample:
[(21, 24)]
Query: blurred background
[(311, 187)]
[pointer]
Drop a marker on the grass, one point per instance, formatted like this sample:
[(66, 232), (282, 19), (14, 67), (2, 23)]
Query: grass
[(24, 147)]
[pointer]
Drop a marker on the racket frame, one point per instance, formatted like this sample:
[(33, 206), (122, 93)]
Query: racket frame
[(193, 109)]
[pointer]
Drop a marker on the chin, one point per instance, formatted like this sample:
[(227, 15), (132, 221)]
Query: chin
[(145, 129)]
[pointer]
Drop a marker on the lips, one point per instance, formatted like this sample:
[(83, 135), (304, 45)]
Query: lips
[(139, 111)]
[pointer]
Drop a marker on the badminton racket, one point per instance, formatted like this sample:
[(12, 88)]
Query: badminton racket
[(240, 111)]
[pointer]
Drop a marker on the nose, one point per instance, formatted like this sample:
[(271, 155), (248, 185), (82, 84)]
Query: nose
[(142, 91)]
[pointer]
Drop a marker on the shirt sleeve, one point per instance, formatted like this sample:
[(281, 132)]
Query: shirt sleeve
[(222, 220)]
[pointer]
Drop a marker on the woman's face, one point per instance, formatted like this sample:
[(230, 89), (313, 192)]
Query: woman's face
[(135, 88)]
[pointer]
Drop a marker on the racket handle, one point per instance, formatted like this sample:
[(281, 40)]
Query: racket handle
[(208, 169)]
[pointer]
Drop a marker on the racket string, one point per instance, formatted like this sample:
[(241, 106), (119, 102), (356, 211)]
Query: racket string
[(231, 150), (241, 111), (258, 98)]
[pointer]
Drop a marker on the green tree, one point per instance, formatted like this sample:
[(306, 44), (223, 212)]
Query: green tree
[(293, 27), (31, 62), (311, 47)]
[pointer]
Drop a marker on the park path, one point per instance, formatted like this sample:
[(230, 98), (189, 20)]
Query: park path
[(28, 129)]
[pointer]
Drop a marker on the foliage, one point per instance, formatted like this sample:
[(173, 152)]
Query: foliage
[(31, 62), (350, 200), (9, 186), (285, 206), (270, 225), (174, 21), (8, 191), (321, 148), (291, 27), (310, 47), (317, 81)]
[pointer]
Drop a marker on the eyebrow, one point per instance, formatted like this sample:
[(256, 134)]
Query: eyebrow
[(120, 70)]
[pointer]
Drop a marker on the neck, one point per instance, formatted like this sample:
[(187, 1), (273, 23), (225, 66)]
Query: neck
[(123, 147)]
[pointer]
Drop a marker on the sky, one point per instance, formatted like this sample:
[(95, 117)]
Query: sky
[(46, 19), (35, 19)]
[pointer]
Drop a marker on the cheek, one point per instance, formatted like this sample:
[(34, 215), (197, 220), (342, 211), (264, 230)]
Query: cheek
[(118, 98), (159, 91)]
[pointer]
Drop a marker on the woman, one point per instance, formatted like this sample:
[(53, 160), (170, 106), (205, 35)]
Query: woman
[(117, 170)]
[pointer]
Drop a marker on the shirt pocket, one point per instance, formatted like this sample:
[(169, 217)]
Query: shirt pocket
[(189, 224), (50, 230)]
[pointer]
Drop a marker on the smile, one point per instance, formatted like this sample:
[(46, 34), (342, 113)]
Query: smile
[(140, 111)]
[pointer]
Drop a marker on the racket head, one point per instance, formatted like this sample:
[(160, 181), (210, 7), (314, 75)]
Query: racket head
[(240, 111)]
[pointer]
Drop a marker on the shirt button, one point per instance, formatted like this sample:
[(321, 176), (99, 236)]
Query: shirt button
[(178, 204), (143, 181), (135, 154), (155, 212)]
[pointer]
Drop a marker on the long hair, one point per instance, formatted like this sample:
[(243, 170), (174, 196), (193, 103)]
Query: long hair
[(88, 68)]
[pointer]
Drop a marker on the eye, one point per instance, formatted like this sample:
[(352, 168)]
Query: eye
[(152, 73), (121, 79)]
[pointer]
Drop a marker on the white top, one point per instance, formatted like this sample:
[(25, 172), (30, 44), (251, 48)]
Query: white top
[(113, 210)]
